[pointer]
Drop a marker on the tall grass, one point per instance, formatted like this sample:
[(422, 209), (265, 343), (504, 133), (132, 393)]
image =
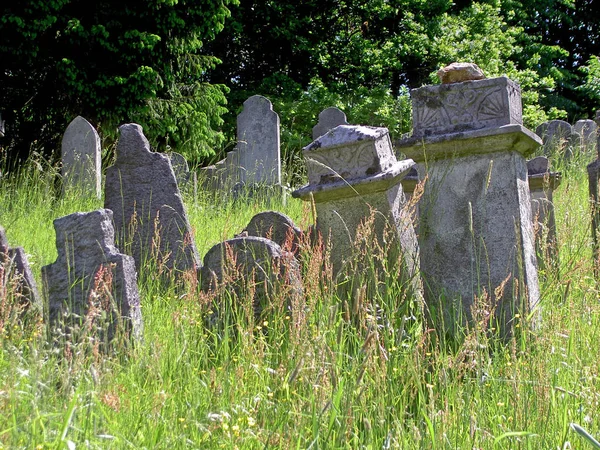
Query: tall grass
[(363, 371)]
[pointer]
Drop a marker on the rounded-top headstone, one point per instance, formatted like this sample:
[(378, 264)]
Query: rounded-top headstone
[(537, 165), (329, 118), (459, 72), (275, 226)]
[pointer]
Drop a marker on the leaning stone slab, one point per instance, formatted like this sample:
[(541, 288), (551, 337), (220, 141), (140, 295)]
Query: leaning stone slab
[(329, 118), (277, 227), (16, 273), (354, 176), (81, 158), (253, 266), (476, 233), (150, 219), (91, 278), (471, 105)]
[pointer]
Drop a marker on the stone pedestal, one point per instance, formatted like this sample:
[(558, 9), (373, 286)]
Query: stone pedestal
[(353, 174), (542, 184), (476, 235)]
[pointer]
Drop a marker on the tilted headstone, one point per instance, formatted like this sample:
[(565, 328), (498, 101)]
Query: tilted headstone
[(476, 234), (557, 134), (90, 276), (16, 273), (277, 227), (585, 135), (329, 118), (253, 266), (150, 219), (81, 158), (181, 169), (353, 173), (542, 183)]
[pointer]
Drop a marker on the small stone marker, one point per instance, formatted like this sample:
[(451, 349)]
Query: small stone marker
[(88, 273), (253, 265), (542, 183), (329, 118), (277, 227), (81, 158), (352, 172), (557, 134), (476, 233), (151, 223), (586, 134), (181, 169), (459, 72), (15, 270)]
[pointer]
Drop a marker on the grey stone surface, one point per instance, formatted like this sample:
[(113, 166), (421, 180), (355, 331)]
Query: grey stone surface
[(459, 72), (586, 135), (556, 134), (181, 169), (475, 214), (537, 165), (17, 272), (329, 118), (593, 170), (277, 227), (85, 245), (471, 105), (353, 174), (253, 266), (81, 158), (150, 219)]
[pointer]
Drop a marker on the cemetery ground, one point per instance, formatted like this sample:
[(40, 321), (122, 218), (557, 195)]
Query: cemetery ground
[(333, 373)]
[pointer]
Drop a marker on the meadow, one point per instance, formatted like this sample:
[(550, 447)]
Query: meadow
[(362, 372)]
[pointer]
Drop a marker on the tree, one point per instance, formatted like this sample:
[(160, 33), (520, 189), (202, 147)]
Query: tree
[(111, 61)]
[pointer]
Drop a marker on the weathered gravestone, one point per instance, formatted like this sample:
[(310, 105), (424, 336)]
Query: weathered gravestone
[(81, 158), (354, 176), (254, 267), (16, 277), (277, 227), (90, 280), (151, 223), (181, 169), (585, 134), (542, 183), (256, 160), (476, 235), (329, 118), (557, 135)]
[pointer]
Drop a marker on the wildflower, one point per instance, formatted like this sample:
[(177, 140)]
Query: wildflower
[(251, 421)]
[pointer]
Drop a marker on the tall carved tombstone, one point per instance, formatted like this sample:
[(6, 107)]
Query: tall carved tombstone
[(90, 278), (353, 175), (81, 158), (476, 235), (542, 183), (258, 147), (150, 219), (329, 118), (16, 276)]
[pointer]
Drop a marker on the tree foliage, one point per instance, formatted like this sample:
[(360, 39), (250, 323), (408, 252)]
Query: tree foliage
[(111, 61)]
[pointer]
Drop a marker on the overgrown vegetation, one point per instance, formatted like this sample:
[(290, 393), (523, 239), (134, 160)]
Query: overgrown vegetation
[(359, 371)]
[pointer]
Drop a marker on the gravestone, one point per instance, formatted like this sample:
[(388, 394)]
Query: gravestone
[(277, 227), (81, 158), (257, 267), (542, 183), (256, 159), (557, 135), (585, 135), (150, 219), (17, 275), (476, 234), (90, 278), (353, 175), (329, 118), (181, 169)]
